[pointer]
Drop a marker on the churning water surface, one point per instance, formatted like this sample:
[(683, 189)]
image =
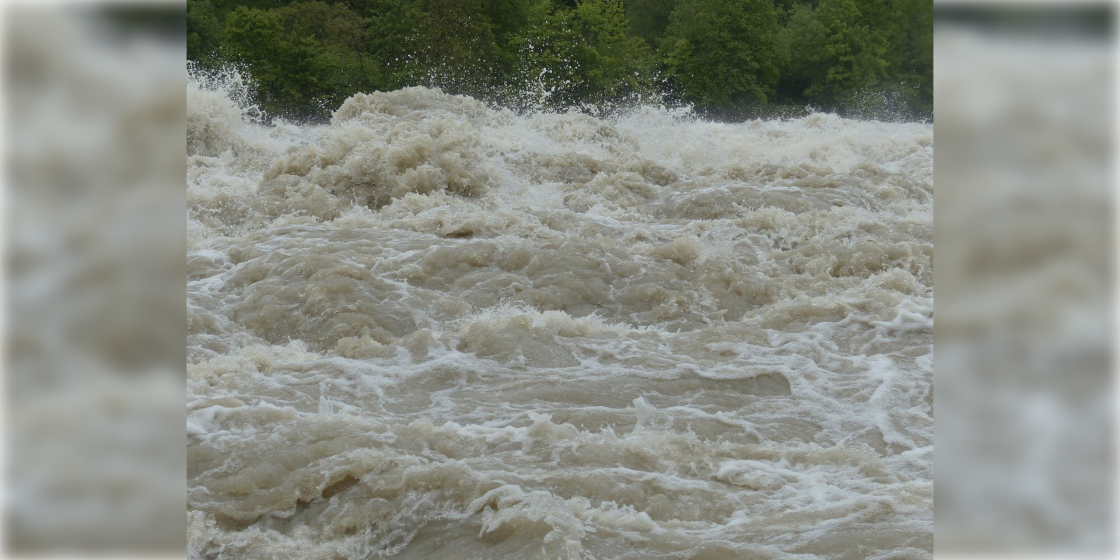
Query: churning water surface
[(433, 329)]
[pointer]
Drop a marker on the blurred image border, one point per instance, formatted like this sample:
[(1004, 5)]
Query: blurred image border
[(963, 5), (6, 9)]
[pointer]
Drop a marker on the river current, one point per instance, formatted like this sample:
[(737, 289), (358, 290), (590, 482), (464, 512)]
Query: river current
[(432, 329)]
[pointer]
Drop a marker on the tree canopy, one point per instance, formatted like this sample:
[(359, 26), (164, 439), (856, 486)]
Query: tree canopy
[(723, 53), (732, 58)]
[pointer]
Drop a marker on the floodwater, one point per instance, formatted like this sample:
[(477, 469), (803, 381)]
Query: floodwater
[(433, 329)]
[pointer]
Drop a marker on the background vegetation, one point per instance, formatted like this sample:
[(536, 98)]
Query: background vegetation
[(728, 58)]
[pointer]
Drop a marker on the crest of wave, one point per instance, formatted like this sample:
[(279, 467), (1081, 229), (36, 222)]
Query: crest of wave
[(384, 145), (219, 104)]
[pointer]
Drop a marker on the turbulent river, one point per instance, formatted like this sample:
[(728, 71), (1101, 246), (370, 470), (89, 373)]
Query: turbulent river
[(436, 330)]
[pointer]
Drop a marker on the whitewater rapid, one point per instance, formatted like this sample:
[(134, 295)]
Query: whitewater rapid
[(433, 329)]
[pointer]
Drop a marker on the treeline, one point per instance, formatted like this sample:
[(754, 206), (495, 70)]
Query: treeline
[(728, 58)]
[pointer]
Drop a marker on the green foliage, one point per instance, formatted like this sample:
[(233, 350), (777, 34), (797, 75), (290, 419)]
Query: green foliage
[(727, 57), (393, 36), (294, 73), (911, 52), (862, 56), (855, 48), (204, 31), (649, 18), (584, 55), (723, 53), (614, 63), (456, 47), (552, 57), (341, 36), (801, 42)]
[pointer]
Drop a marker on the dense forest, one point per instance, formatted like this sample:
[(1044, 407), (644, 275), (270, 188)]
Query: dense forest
[(727, 58)]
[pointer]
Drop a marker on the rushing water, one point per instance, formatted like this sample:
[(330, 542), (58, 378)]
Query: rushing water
[(431, 329)]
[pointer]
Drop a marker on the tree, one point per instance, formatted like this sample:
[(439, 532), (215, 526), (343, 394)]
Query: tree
[(855, 47), (393, 36), (343, 39), (802, 43), (204, 31), (911, 52), (649, 18), (293, 75), (722, 53), (551, 58), (867, 57), (584, 55), (457, 49), (617, 63), (727, 57)]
